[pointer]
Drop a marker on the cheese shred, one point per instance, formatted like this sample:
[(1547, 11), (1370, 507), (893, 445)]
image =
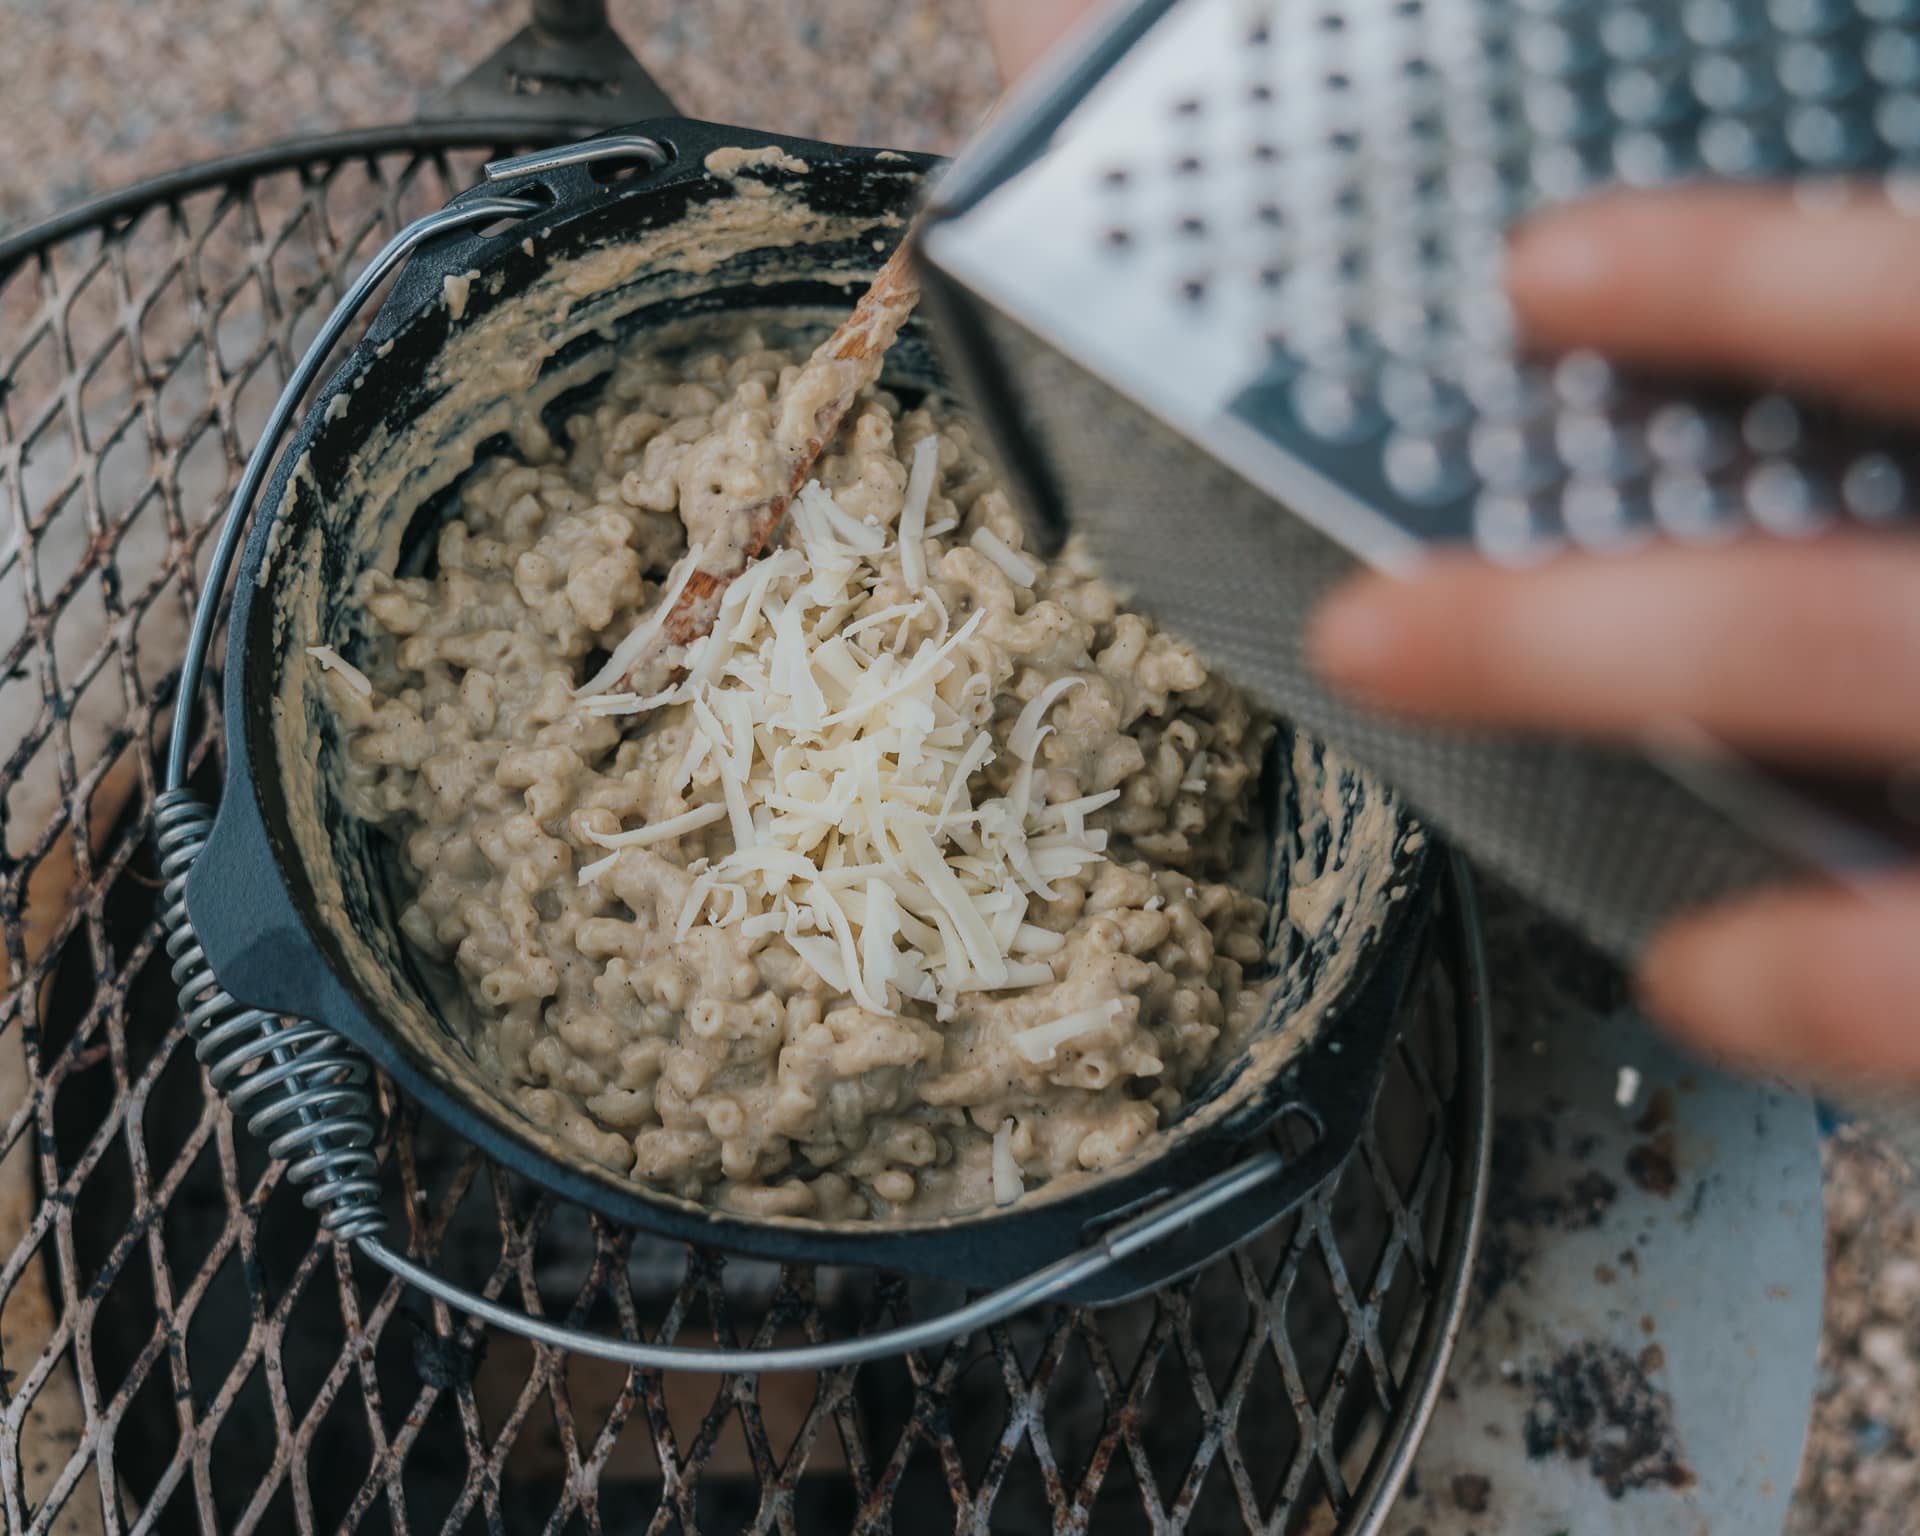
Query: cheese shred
[(332, 661), (1041, 1044), (630, 650), (913, 513), (830, 747), (1012, 565), (660, 831)]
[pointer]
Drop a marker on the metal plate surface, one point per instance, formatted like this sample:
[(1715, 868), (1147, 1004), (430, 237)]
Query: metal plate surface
[(1639, 1356)]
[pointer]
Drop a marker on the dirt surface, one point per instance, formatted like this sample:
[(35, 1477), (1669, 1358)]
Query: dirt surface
[(1515, 1210), (1595, 1404), (1862, 1470), (97, 93)]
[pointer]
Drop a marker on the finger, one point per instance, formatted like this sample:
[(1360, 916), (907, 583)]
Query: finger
[(1021, 30), (1742, 280), (1821, 983), (1807, 651)]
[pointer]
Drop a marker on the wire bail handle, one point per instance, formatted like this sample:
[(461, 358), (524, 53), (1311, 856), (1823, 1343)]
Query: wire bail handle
[(304, 1088)]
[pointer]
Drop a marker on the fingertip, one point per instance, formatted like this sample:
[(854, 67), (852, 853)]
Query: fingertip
[(1555, 263), (1709, 979), (1677, 983), (1353, 637), (1815, 982)]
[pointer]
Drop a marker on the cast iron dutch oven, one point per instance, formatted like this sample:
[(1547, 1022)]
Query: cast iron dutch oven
[(296, 903)]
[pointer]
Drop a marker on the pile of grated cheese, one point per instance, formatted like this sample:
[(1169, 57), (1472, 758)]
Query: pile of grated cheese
[(841, 763)]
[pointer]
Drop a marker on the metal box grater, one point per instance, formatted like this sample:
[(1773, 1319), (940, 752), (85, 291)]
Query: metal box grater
[(1226, 260)]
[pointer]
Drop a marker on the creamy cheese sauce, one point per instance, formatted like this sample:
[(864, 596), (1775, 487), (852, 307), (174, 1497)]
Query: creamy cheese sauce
[(714, 1062)]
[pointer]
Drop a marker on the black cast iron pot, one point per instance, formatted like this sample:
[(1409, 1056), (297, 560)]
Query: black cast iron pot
[(295, 902)]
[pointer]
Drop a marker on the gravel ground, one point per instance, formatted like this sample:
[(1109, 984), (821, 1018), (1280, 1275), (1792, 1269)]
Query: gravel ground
[(97, 93), (1861, 1476)]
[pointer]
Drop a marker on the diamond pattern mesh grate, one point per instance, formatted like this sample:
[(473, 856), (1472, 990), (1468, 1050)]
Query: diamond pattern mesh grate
[(179, 1353)]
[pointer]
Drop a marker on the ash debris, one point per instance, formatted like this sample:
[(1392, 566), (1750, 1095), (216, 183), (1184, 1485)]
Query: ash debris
[(1517, 1207), (1595, 1404)]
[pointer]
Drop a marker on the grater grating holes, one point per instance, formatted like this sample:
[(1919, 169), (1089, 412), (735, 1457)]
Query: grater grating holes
[(1396, 140)]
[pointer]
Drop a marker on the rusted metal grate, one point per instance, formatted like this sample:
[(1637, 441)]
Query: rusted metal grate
[(179, 1353)]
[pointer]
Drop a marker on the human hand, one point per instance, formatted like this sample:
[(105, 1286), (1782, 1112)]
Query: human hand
[(1809, 652)]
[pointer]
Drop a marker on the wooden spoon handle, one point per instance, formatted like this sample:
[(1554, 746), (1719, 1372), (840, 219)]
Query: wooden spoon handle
[(841, 366)]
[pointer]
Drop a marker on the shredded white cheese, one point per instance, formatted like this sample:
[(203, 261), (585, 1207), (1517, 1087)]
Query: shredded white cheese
[(913, 513), (1025, 737), (1008, 1186), (828, 742), (332, 661), (592, 872), (1042, 1043), (996, 549), (1031, 940), (629, 650), (624, 703), (660, 831)]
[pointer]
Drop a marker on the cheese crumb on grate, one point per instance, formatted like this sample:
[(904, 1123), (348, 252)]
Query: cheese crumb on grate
[(332, 661), (828, 743)]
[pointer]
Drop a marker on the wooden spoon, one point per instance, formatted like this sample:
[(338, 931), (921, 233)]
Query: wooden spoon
[(841, 366)]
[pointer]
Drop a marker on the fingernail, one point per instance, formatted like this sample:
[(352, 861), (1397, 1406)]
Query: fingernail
[(1351, 637), (1554, 256), (1653, 980), (1701, 986)]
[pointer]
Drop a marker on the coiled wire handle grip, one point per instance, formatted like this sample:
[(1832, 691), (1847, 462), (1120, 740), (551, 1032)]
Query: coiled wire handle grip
[(305, 1089)]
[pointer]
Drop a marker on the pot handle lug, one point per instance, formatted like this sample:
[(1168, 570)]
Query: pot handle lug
[(567, 68)]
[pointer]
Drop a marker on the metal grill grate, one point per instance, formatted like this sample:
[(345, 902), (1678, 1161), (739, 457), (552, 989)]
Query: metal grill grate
[(178, 1352)]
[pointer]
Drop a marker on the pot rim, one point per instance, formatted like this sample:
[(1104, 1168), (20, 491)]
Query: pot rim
[(254, 907)]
